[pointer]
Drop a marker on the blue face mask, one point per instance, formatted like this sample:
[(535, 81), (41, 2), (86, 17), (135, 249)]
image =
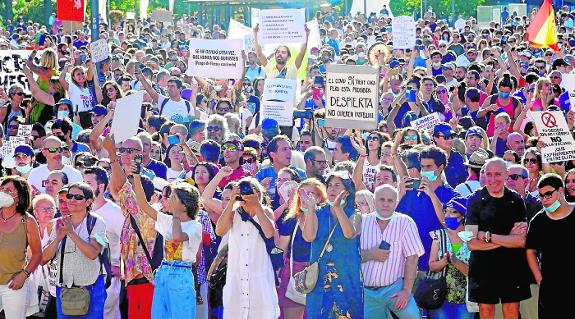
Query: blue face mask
[(452, 222), (430, 175), (551, 209), (503, 95), (63, 114)]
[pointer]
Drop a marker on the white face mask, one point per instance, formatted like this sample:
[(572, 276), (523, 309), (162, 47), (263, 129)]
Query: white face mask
[(24, 169), (6, 200)]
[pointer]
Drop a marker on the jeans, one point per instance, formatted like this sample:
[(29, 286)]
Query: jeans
[(378, 303), (97, 300), (13, 301), (174, 294), (450, 310)]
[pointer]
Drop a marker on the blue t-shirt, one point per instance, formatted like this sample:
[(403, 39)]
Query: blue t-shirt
[(418, 205), (564, 101), (302, 248), (403, 109), (434, 105), (159, 168), (334, 44), (270, 172), (79, 147), (455, 172), (500, 147)]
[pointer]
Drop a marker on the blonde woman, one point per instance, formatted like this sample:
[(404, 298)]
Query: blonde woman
[(48, 67), (292, 242), (543, 95), (365, 202)]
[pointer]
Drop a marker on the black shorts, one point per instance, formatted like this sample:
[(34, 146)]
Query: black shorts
[(495, 291)]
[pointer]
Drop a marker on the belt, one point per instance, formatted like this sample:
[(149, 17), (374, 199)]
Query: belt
[(372, 288), (177, 263)]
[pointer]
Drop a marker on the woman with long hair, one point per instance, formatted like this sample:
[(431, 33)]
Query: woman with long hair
[(543, 95), (18, 233), (569, 181), (111, 92), (79, 93), (46, 70), (173, 160), (532, 161), (365, 202), (292, 242)]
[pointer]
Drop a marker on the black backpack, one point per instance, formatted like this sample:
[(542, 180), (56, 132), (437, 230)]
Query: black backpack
[(104, 256)]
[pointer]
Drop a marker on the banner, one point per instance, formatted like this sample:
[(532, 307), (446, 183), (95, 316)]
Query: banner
[(11, 64), (99, 50), (403, 32), (237, 30), (220, 59), (427, 122), (70, 10), (352, 95), (554, 132), (282, 26), (278, 100)]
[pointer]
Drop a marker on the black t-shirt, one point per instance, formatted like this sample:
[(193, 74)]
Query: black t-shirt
[(498, 216), (554, 238)]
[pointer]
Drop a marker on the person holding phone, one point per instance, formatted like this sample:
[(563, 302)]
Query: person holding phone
[(390, 249), (173, 160)]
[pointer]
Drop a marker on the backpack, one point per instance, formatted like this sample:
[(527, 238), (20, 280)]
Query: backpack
[(188, 105), (514, 100), (104, 256)]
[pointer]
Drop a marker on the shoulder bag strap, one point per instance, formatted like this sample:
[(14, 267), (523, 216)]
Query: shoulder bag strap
[(291, 248), (327, 242), (140, 239), (269, 244), (62, 253), (443, 244)]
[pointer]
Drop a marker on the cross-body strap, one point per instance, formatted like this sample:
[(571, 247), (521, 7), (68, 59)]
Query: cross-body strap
[(443, 247), (139, 234), (291, 248), (327, 242), (62, 253)]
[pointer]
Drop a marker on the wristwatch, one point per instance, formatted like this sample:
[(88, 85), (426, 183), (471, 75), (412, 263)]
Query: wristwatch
[(26, 272)]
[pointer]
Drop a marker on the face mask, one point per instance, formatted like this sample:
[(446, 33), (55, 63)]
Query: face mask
[(332, 203), (24, 169), (6, 200), (63, 114), (551, 209), (361, 55), (436, 64), (452, 222), (430, 175), (250, 167), (503, 95), (378, 216), (218, 88)]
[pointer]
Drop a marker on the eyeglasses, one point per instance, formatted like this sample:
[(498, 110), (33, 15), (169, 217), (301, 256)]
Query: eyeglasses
[(373, 138), (445, 137), (517, 176), (44, 209), (54, 150), (546, 195), (213, 128), (128, 150), (530, 160), (320, 162), (75, 196), (412, 137)]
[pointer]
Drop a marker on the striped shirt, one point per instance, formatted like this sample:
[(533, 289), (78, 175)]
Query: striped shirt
[(402, 234)]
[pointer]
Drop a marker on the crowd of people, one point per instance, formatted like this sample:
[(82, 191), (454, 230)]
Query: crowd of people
[(212, 211)]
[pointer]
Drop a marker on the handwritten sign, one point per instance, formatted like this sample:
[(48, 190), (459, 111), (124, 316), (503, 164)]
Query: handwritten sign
[(352, 96), (99, 50), (24, 130), (162, 15), (403, 31), (278, 100), (282, 26), (427, 122), (555, 134), (220, 59), (11, 64)]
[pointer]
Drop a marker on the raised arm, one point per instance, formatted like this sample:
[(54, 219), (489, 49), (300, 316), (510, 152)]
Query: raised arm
[(348, 225), (35, 89), (97, 88), (214, 205), (118, 177), (141, 199), (303, 49), (153, 94), (261, 57), (226, 220), (62, 77), (98, 130)]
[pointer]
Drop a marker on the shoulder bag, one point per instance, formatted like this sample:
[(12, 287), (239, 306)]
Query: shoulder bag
[(432, 290), (291, 292), (306, 279), (276, 254), (75, 300)]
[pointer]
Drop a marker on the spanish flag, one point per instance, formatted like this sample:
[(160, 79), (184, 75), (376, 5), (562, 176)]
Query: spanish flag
[(542, 32)]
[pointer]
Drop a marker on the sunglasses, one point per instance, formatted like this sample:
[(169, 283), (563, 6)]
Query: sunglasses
[(249, 160), (516, 176), (128, 150), (213, 128), (75, 196), (19, 93), (373, 138), (441, 91), (411, 137), (229, 147), (445, 137), (13, 127), (546, 195), (530, 160), (54, 150)]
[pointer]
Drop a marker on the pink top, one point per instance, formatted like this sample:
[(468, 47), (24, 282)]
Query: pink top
[(402, 234), (537, 106)]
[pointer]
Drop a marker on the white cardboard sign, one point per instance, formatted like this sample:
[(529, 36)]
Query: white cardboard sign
[(554, 132), (220, 59)]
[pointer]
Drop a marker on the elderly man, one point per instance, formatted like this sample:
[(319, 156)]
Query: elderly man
[(516, 143), (496, 220), (390, 249), (55, 181)]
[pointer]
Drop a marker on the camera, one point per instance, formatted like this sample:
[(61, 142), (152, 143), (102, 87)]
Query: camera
[(246, 188)]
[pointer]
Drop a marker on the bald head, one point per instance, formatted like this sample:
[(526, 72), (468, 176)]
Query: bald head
[(51, 141), (386, 199)]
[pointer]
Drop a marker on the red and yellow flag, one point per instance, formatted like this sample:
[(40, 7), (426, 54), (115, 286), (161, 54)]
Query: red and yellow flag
[(542, 32)]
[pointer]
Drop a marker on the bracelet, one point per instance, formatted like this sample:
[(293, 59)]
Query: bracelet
[(26, 272), (487, 237)]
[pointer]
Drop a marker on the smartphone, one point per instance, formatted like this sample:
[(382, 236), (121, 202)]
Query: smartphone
[(173, 139), (321, 122), (138, 161), (384, 245), (504, 40), (83, 58), (42, 39), (415, 183), (410, 95), (316, 94)]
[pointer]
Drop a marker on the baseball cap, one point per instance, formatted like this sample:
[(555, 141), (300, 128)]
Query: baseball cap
[(238, 144), (99, 110), (24, 149), (458, 203), (442, 128), (473, 131), (65, 101), (270, 127)]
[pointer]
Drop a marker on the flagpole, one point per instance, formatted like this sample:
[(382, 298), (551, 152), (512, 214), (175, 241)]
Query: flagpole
[(95, 20)]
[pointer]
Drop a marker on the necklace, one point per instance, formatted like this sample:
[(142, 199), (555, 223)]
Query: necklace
[(7, 219)]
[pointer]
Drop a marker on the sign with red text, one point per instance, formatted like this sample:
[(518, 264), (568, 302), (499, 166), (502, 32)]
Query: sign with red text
[(559, 145)]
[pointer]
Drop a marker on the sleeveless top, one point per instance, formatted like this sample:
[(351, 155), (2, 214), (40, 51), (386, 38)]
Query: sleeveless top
[(12, 252)]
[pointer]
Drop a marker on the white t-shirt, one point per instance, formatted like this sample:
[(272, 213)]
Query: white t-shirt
[(114, 220), (174, 110), (38, 176), (192, 228), (80, 97), (173, 174), (245, 114), (368, 175), (464, 191)]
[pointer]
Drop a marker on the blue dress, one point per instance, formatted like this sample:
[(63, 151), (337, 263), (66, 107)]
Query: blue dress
[(339, 290)]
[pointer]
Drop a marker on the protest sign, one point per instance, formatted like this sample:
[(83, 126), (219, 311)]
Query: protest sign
[(24, 130), (427, 122), (99, 50), (352, 96), (220, 59), (11, 64), (278, 100), (237, 30), (403, 32), (555, 134), (162, 15), (124, 123), (282, 26), (568, 83), (16, 141)]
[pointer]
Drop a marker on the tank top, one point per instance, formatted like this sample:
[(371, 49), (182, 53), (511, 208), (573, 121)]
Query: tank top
[(12, 252)]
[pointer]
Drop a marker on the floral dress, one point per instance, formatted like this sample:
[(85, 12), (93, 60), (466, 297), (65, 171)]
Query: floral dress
[(338, 293), (456, 280)]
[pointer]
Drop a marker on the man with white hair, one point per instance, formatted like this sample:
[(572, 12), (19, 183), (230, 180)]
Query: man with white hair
[(498, 270), (390, 249)]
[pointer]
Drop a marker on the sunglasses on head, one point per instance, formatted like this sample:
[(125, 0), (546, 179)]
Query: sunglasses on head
[(75, 196), (128, 150), (54, 150)]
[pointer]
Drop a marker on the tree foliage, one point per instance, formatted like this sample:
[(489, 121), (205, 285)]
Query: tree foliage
[(442, 8)]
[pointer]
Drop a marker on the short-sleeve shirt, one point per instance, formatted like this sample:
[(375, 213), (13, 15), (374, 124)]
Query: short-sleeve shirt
[(498, 216), (176, 111), (301, 250), (192, 228), (81, 97)]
